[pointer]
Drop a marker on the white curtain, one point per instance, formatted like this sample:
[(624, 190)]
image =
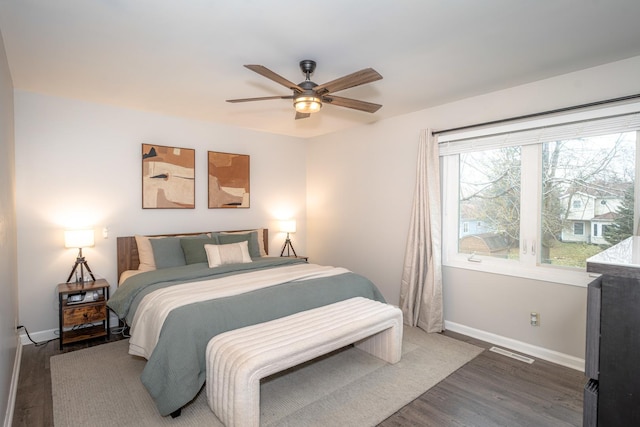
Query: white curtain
[(421, 287)]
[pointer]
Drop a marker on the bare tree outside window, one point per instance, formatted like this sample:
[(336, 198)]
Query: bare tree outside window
[(490, 197), (583, 186)]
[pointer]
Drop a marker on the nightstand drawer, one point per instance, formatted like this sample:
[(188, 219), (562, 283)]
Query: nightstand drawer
[(85, 314)]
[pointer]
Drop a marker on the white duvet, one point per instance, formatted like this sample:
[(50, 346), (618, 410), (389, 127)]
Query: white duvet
[(156, 306)]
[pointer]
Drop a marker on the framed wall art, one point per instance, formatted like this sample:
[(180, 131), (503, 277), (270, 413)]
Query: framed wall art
[(228, 180), (168, 177)]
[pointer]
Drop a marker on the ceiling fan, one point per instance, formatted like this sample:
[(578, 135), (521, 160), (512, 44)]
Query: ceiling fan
[(308, 96)]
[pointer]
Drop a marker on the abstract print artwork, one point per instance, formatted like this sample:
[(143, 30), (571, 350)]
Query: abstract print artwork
[(228, 180), (168, 177)]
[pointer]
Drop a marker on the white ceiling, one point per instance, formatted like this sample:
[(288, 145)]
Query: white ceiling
[(185, 57)]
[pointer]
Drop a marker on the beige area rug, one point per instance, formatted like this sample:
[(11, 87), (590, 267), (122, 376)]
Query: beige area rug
[(100, 386)]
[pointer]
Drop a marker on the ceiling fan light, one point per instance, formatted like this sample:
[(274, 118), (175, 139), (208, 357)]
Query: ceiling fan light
[(307, 104)]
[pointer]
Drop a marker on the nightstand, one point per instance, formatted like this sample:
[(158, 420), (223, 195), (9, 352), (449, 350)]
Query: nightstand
[(306, 258), (80, 306)]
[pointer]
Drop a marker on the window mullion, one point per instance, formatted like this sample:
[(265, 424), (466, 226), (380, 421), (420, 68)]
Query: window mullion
[(531, 179)]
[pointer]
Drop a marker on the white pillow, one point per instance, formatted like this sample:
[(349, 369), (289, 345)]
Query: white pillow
[(227, 254)]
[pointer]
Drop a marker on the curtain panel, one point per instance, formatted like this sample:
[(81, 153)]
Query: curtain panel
[(421, 286)]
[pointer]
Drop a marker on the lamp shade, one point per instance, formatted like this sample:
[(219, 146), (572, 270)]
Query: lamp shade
[(288, 226), (78, 238)]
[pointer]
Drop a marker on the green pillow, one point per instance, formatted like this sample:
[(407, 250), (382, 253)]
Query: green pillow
[(251, 238), (194, 249), (167, 252)]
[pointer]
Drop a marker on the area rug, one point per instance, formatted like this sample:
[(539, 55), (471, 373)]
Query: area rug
[(100, 386)]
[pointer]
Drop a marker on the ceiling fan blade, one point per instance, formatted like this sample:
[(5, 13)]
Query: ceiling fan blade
[(302, 115), (368, 107), (358, 78), (265, 72), (263, 98)]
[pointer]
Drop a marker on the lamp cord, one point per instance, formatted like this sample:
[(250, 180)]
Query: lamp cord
[(37, 344)]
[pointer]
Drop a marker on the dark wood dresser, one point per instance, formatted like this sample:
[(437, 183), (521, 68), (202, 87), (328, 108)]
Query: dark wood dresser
[(612, 393)]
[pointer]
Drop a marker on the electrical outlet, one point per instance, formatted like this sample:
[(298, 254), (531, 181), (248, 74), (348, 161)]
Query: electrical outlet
[(535, 319)]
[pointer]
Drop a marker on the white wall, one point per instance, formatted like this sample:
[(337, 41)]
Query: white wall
[(8, 272), (360, 191), (79, 164), (359, 195)]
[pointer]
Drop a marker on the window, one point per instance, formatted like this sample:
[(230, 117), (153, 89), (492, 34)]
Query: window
[(490, 194), (540, 194)]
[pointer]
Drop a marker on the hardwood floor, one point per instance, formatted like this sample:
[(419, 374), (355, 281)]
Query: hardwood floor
[(495, 390), (491, 390)]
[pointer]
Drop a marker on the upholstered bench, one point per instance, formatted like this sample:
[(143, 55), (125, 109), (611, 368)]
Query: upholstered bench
[(238, 359)]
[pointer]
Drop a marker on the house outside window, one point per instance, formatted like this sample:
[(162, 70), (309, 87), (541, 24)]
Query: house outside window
[(546, 200)]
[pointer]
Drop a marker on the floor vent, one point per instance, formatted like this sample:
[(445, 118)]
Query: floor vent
[(512, 355)]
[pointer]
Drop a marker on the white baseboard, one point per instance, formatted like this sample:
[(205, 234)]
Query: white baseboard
[(13, 388), (519, 346), (51, 334), (39, 336)]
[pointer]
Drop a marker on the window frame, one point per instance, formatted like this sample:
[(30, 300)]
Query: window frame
[(528, 265)]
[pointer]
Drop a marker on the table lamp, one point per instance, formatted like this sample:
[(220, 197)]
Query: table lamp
[(288, 226), (79, 239)]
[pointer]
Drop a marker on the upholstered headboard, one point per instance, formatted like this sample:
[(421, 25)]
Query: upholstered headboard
[(127, 249)]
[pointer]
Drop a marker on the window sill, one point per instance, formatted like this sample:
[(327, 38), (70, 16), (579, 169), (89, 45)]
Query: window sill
[(543, 273)]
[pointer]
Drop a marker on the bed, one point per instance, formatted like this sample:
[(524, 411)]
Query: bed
[(174, 309)]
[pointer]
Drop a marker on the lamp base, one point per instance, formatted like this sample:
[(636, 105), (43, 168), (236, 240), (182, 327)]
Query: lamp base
[(80, 261), (289, 247)]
